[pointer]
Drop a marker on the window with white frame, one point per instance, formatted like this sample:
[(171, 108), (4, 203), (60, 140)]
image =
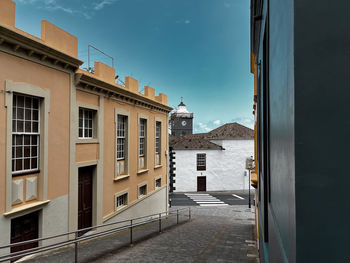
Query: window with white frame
[(142, 137), (86, 120), (158, 182), (122, 129), (25, 133), (201, 162), (158, 133), (121, 200), (143, 190)]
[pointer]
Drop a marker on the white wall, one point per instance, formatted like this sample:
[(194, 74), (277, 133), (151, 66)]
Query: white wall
[(151, 204), (225, 169), (53, 219)]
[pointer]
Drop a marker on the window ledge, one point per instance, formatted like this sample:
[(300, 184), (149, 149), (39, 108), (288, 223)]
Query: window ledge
[(142, 196), (25, 173), (121, 208), (142, 171), (121, 177), (25, 207), (86, 141), (158, 166)]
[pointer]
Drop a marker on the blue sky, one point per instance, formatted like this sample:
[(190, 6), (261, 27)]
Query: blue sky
[(195, 49)]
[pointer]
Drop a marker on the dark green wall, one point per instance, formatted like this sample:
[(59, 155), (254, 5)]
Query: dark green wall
[(281, 208), (281, 83), (309, 128), (322, 129)]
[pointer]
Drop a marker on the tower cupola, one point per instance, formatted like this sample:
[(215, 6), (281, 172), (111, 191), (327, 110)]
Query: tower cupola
[(181, 121)]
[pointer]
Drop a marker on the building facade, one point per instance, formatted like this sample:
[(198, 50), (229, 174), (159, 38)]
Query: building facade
[(76, 149), (299, 55), (213, 161)]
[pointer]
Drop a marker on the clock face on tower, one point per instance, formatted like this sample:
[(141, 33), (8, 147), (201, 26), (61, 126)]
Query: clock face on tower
[(183, 123)]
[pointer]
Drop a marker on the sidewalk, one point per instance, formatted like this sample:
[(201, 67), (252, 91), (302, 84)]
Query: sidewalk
[(215, 234)]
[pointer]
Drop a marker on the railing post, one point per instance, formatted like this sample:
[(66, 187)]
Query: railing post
[(189, 213), (177, 216), (131, 232), (160, 222), (76, 247)]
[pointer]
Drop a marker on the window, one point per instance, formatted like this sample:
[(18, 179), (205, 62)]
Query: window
[(121, 200), (201, 162), (122, 124), (142, 143), (25, 133), (158, 182), (86, 118), (158, 133), (142, 136), (143, 190)]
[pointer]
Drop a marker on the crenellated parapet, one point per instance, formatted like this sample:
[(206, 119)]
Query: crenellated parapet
[(8, 13), (59, 39), (60, 48), (51, 35), (107, 74)]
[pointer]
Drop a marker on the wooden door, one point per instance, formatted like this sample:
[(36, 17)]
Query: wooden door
[(24, 228), (85, 197), (201, 183)]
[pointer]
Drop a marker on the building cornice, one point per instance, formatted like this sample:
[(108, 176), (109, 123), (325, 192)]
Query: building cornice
[(119, 93), (18, 44)]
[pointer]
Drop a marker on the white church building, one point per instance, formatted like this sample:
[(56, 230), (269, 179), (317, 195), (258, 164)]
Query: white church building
[(213, 161)]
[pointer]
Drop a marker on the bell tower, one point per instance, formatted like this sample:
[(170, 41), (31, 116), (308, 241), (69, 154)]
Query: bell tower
[(181, 121)]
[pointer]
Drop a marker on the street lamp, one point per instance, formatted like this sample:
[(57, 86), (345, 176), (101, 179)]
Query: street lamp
[(249, 205), (249, 165)]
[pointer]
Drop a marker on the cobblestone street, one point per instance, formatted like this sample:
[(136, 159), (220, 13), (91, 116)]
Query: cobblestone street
[(215, 234)]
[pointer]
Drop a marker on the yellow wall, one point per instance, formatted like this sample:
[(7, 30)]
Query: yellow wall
[(2, 143), (110, 186), (87, 98), (16, 69), (254, 179), (87, 152)]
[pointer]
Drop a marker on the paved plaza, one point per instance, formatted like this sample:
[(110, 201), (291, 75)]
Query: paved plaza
[(214, 234)]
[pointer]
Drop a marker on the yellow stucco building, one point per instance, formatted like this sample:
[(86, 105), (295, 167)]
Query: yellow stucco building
[(76, 149), (254, 172)]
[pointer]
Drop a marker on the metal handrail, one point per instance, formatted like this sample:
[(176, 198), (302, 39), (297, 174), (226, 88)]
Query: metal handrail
[(79, 230), (77, 238)]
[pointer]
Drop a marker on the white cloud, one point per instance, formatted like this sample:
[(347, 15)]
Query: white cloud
[(208, 126), (87, 11), (50, 5), (183, 21), (203, 127), (102, 4), (27, 1), (245, 121)]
